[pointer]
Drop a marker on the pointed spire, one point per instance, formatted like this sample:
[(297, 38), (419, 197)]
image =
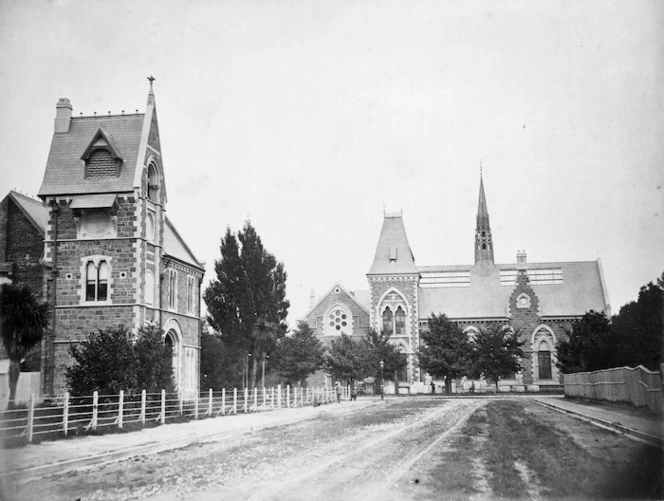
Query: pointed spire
[(483, 240), (151, 79)]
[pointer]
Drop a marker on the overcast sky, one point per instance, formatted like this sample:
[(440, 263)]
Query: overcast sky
[(311, 117)]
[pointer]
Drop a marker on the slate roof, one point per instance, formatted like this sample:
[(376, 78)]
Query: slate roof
[(174, 246), (65, 169), (33, 209), (393, 235), (582, 290)]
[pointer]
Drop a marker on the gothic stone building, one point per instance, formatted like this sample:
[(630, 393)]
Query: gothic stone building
[(539, 300), (112, 256)]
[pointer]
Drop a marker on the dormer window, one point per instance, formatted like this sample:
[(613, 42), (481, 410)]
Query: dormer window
[(101, 157), (393, 254)]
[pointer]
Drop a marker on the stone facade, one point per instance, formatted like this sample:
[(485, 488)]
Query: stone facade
[(114, 257)]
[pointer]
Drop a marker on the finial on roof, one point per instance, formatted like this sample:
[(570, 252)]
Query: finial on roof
[(151, 79)]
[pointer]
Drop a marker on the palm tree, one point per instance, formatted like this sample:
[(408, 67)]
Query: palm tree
[(23, 321)]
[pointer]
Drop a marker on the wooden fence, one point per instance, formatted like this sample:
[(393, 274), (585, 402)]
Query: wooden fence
[(637, 385)]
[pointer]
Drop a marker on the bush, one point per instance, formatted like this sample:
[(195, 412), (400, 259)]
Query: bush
[(108, 361)]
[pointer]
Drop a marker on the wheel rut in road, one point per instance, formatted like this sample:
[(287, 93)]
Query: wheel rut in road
[(371, 466)]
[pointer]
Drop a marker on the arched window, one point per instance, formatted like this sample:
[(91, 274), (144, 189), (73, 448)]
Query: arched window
[(149, 226), (400, 322), (96, 281), (544, 360), (387, 320), (153, 183), (171, 341)]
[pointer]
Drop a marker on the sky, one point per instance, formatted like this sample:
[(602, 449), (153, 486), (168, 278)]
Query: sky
[(311, 118)]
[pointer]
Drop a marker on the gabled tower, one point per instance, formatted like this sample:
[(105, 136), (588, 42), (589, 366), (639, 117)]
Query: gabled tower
[(483, 240), (393, 280)]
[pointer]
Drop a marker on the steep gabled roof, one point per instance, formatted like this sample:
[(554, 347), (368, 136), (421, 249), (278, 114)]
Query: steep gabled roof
[(175, 246), (32, 209), (65, 169), (393, 253), (359, 297)]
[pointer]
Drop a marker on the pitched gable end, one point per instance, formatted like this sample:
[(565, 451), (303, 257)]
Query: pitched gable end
[(102, 140)]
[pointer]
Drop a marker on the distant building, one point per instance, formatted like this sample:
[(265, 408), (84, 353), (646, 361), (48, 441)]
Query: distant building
[(109, 255), (539, 300)]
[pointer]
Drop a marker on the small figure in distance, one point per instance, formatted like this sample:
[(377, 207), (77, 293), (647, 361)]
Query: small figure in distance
[(338, 389)]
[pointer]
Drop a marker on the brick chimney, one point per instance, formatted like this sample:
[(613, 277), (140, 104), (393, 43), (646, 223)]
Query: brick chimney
[(62, 115)]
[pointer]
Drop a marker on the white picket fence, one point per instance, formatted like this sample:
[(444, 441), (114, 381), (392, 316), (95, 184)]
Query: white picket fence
[(81, 415), (637, 385)]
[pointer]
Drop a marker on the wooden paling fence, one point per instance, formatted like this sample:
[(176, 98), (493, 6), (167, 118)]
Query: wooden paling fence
[(70, 415), (637, 385)]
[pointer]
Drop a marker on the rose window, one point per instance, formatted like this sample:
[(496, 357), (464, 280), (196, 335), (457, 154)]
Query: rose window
[(338, 319)]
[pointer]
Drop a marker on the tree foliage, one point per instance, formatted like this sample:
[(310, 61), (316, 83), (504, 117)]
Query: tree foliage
[(299, 354), (24, 318), (497, 353), (220, 365), (247, 301), (639, 326), (108, 361), (590, 345), (377, 348), (445, 350), (345, 359)]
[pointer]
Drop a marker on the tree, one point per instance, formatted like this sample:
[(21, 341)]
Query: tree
[(250, 289), (109, 361), (220, 366), (299, 354), (24, 319), (345, 359), (497, 353), (638, 328), (590, 345), (377, 349), (445, 350)]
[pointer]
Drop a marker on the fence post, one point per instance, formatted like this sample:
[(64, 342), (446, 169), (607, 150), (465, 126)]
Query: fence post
[(95, 405), (65, 414), (246, 398), (234, 400), (255, 399), (295, 397), (143, 406), (272, 398), (288, 395), (31, 417), (223, 401), (163, 407), (209, 411), (120, 408), (279, 396), (264, 398)]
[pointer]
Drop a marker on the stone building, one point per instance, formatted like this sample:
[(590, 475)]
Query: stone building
[(539, 300), (111, 254)]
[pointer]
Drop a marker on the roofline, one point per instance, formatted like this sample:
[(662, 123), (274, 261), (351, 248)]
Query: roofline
[(605, 290), (336, 284), (184, 244), (12, 194), (43, 196), (171, 257)]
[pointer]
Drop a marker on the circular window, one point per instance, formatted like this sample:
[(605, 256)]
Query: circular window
[(338, 320)]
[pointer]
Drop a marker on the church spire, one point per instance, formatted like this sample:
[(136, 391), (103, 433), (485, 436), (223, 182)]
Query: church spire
[(483, 241)]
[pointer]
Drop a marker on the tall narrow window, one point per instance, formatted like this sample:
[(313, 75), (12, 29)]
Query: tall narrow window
[(544, 361), (149, 288), (191, 290), (91, 282), (172, 289), (387, 320), (400, 322), (153, 183), (102, 283)]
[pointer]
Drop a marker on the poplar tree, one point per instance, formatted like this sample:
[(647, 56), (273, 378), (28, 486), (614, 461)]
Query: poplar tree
[(247, 301)]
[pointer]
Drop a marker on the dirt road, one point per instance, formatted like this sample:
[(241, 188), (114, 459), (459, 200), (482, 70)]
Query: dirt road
[(404, 449)]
